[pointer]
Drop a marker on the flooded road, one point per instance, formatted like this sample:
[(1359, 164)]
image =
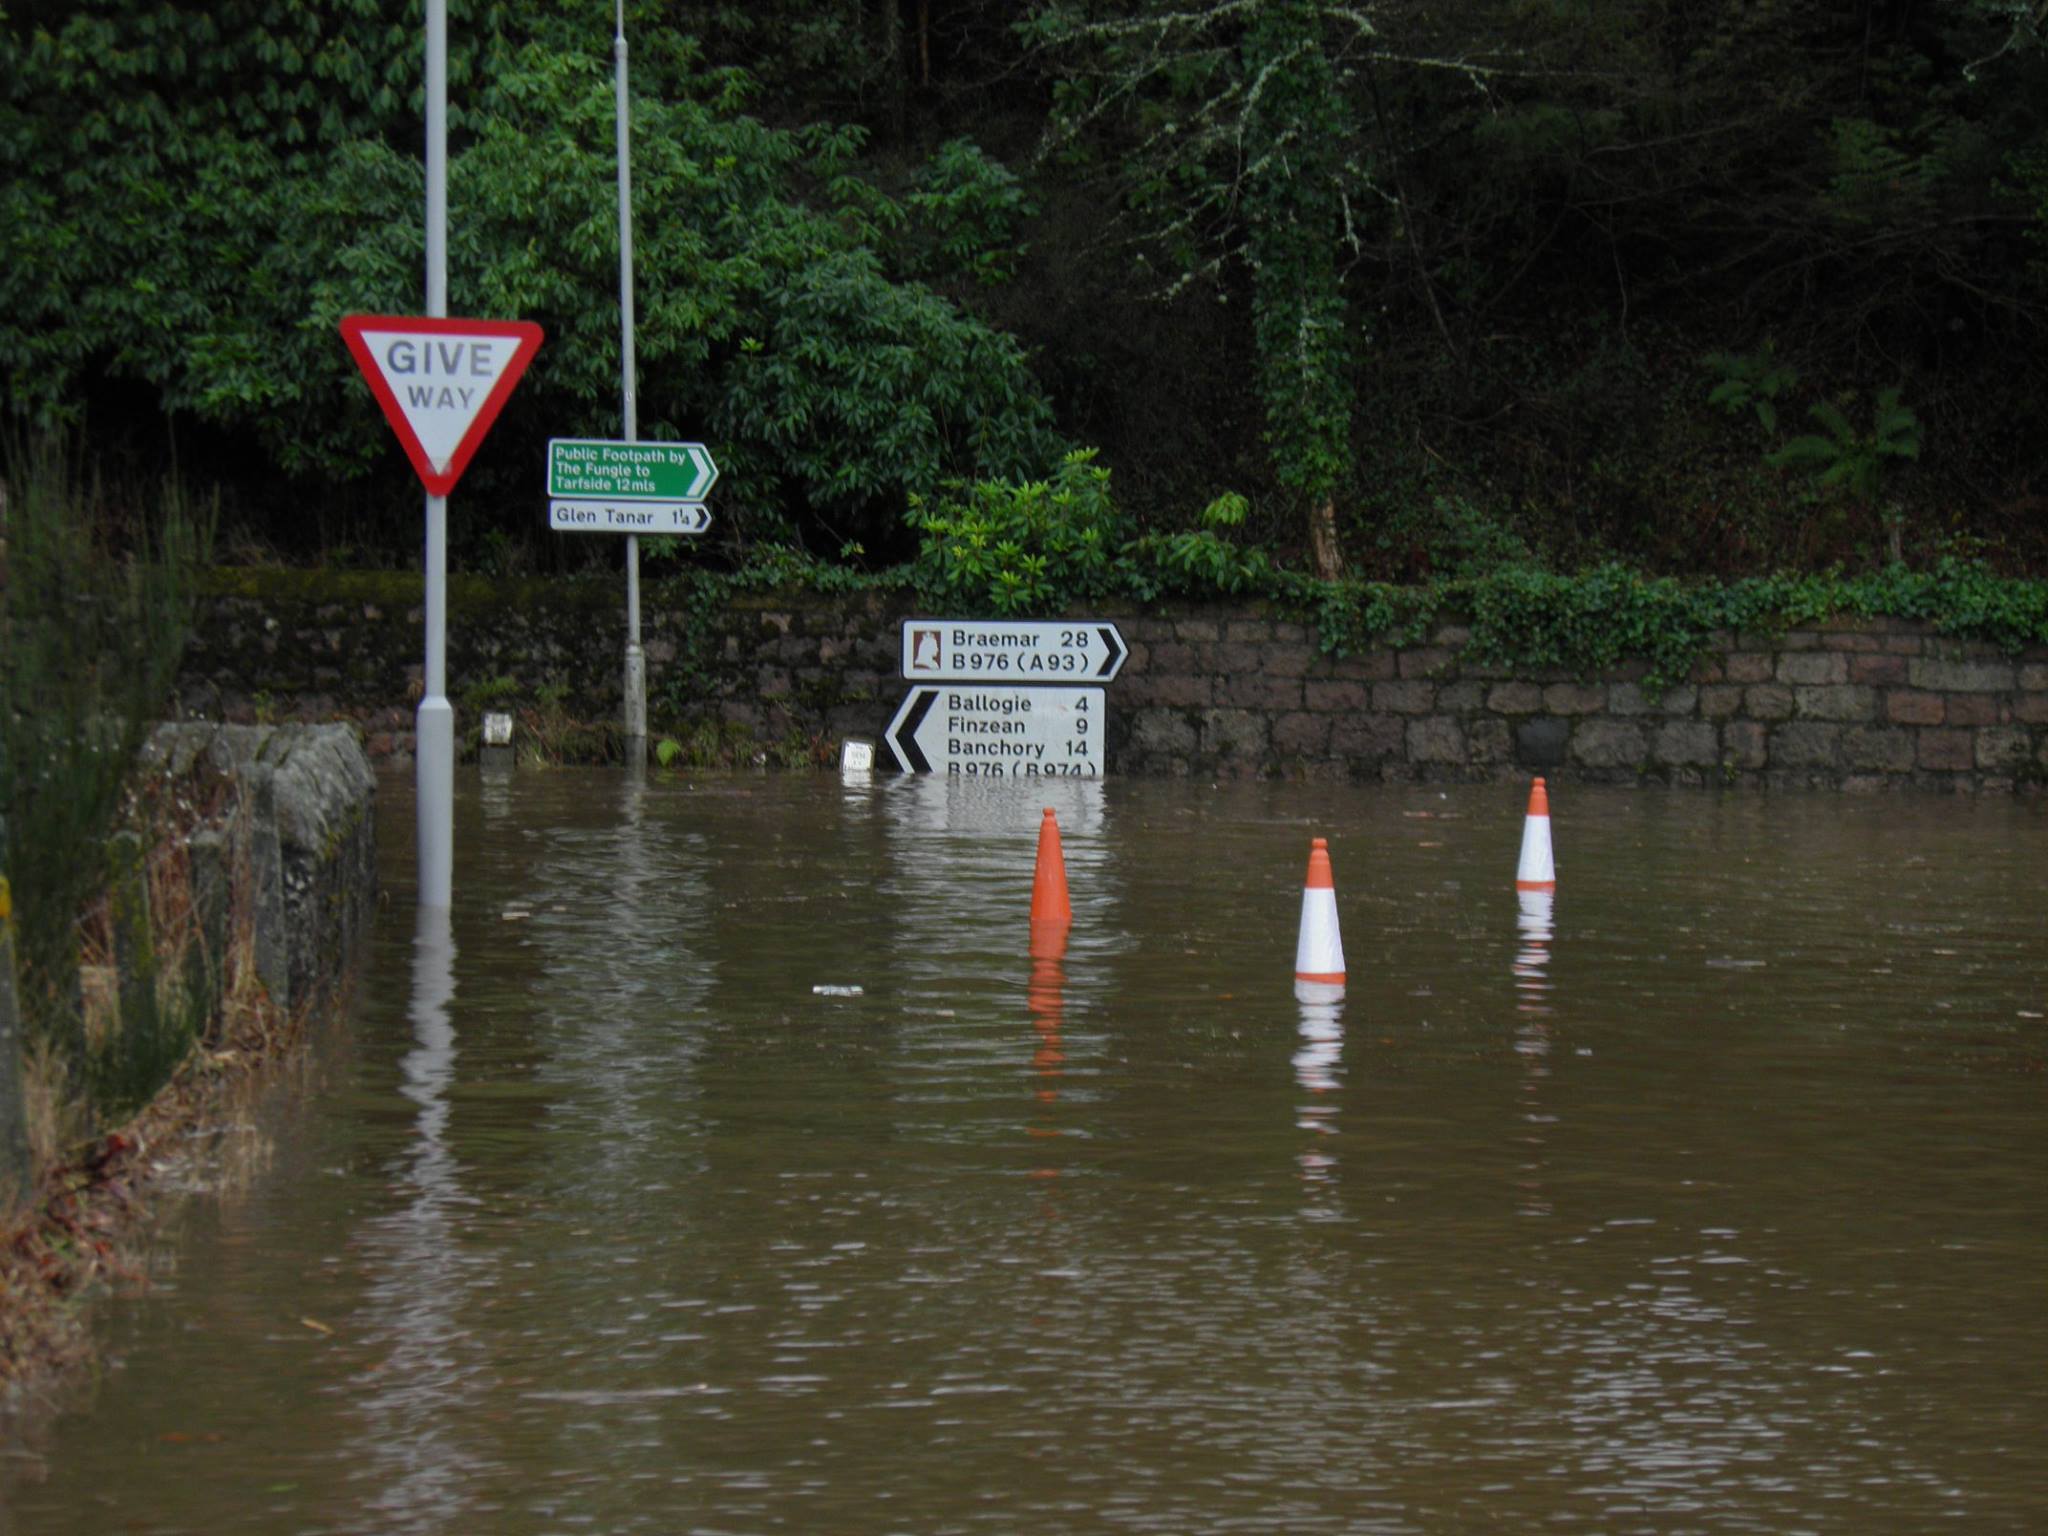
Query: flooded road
[(1712, 1197)]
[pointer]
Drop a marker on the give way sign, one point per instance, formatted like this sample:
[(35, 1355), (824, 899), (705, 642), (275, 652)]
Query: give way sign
[(440, 382)]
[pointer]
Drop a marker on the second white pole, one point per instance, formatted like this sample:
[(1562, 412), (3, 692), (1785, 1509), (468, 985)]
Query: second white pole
[(635, 685)]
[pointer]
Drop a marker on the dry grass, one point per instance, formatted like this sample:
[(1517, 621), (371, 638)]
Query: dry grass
[(53, 1118)]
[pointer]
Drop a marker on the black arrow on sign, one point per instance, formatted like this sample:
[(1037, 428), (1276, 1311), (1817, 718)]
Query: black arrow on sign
[(1116, 651), (904, 736)]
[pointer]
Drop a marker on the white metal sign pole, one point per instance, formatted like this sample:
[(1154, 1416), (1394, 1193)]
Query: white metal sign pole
[(636, 659), (434, 730)]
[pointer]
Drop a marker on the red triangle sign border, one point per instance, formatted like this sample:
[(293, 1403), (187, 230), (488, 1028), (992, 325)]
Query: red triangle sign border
[(526, 336)]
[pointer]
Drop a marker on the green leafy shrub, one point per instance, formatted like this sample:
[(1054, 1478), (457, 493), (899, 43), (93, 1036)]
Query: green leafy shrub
[(965, 213), (1456, 537), (1851, 462), (1751, 382), (1584, 622), (1022, 547), (1203, 559), (1845, 458)]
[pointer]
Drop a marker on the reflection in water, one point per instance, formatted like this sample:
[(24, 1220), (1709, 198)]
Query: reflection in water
[(673, 1246), (1319, 1073), (1045, 998), (429, 1373), (494, 789), (957, 889), (857, 792), (934, 805), (1534, 926), (626, 970), (1532, 961)]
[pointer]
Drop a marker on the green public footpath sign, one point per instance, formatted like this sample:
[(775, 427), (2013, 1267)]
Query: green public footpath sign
[(601, 471)]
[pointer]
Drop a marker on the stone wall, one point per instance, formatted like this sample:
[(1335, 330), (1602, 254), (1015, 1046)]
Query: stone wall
[(287, 848), (1857, 704), (297, 852)]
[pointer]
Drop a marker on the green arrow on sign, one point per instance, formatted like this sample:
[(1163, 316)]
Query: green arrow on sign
[(606, 471)]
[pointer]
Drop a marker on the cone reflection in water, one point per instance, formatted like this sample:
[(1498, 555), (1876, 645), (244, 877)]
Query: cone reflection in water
[(1318, 1061), (1045, 999), (1052, 914), (1319, 1073), (1536, 871), (1318, 947), (1533, 924)]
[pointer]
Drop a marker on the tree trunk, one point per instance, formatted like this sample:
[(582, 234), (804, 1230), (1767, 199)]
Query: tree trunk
[(1322, 540)]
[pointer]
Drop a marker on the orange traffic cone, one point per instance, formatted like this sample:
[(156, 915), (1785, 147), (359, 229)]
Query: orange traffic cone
[(1536, 872), (1319, 949), (1050, 908)]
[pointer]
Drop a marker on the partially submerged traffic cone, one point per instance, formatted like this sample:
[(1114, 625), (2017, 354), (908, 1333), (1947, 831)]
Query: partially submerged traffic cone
[(1051, 912), (1319, 950), (1536, 872)]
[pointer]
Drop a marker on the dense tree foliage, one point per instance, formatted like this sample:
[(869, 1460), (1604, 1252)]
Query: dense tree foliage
[(1548, 218), (1706, 286), (195, 195)]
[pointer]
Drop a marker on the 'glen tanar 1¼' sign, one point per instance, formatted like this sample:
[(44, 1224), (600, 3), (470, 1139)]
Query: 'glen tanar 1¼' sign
[(611, 487)]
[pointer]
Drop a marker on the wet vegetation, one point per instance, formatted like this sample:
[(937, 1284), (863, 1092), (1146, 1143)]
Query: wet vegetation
[(95, 606), (107, 983)]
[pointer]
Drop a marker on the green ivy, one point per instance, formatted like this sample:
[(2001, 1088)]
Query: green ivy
[(1595, 619), (1004, 548)]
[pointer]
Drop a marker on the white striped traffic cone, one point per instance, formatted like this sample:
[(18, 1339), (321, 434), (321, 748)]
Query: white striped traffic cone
[(1536, 872), (1319, 950)]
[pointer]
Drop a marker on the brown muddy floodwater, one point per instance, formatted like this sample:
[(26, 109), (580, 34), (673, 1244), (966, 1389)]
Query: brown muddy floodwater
[(1713, 1199)]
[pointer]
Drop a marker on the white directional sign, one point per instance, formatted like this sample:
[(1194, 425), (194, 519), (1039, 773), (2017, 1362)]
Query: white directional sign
[(1012, 650), (1000, 733), (606, 487), (629, 516), (440, 382)]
